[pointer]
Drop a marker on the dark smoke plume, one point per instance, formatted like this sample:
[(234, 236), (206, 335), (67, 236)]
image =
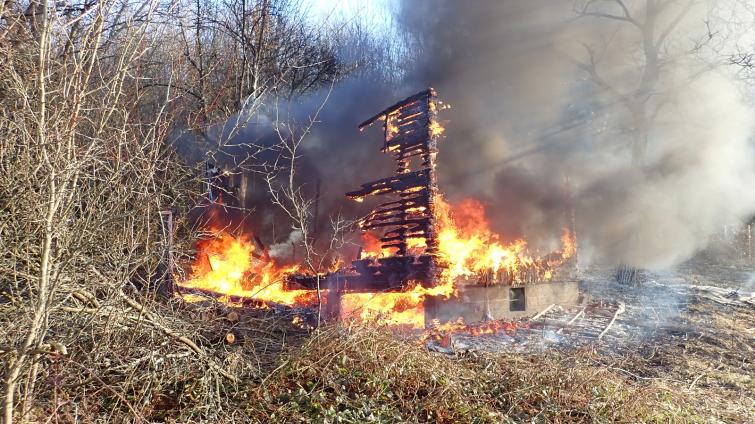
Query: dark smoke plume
[(530, 134)]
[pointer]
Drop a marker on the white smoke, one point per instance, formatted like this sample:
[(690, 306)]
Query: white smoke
[(696, 182), (525, 117), (284, 250)]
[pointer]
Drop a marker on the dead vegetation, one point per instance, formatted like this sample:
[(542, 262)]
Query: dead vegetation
[(114, 361), (92, 94), (358, 374), (709, 356), (133, 360)]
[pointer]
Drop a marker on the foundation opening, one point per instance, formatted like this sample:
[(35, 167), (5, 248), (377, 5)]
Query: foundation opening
[(516, 299)]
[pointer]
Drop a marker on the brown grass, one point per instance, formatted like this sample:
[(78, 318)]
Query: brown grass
[(120, 369), (360, 373)]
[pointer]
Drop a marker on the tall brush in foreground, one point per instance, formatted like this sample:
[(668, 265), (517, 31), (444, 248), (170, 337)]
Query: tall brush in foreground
[(92, 94), (364, 373), (83, 176)]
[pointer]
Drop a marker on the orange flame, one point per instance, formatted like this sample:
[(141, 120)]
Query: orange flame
[(436, 129), (230, 266), (441, 333), (468, 248), (406, 309), (371, 246), (471, 248)]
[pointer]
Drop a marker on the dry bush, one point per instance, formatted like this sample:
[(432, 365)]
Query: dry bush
[(91, 94), (360, 373), (128, 365), (83, 177)]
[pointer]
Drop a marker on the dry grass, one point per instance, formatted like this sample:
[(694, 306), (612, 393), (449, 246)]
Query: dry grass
[(710, 360), (358, 374), (121, 368), (114, 363)]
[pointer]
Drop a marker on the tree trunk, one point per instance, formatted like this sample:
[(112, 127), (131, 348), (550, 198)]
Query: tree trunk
[(40, 310)]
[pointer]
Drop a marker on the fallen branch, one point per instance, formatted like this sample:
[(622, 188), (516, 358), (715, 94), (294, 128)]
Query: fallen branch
[(619, 311), (571, 321), (178, 337), (543, 312)]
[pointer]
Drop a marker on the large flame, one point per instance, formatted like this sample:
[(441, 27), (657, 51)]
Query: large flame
[(233, 266), (468, 248), (405, 308)]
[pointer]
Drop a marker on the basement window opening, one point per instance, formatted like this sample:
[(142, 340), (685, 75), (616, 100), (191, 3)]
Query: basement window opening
[(516, 299)]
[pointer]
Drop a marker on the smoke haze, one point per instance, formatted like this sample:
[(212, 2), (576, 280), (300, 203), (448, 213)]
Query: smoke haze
[(530, 134)]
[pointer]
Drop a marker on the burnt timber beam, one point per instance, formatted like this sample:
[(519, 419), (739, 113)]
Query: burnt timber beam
[(430, 92), (392, 184)]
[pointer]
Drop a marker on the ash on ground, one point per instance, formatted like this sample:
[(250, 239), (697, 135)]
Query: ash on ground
[(616, 318)]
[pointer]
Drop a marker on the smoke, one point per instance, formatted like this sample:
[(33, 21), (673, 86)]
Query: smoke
[(285, 248), (525, 120), (695, 183), (533, 136)]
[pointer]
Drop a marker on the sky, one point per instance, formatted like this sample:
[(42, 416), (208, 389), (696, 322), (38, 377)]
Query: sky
[(377, 11)]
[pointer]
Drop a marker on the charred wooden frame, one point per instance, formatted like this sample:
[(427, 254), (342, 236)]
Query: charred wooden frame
[(408, 133)]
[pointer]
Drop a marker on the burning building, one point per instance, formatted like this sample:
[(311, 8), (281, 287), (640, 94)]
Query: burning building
[(423, 260)]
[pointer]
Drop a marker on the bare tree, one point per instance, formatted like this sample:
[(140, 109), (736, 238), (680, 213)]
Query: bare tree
[(736, 18), (231, 53), (80, 172), (652, 23), (92, 94), (294, 199)]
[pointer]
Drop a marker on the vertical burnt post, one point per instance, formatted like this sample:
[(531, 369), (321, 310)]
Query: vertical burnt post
[(402, 167), (166, 268), (333, 297), (428, 161)]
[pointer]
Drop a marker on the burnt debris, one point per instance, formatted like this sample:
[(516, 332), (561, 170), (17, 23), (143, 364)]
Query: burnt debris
[(408, 134), (407, 220)]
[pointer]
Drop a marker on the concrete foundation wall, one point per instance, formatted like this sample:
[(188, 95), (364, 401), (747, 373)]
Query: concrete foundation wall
[(478, 303)]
